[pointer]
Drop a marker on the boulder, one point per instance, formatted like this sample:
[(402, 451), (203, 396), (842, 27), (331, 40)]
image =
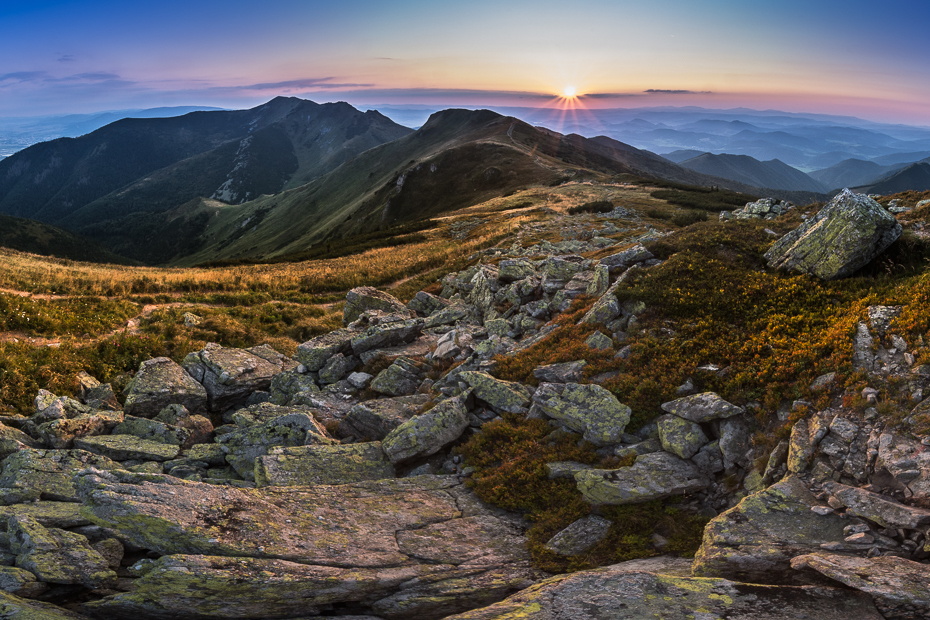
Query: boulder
[(756, 539), (623, 260), (386, 334), (231, 375), (365, 298), (57, 556), (652, 476), (800, 449), (13, 440), (503, 395), (61, 433), (424, 304), (639, 589), (261, 413), (898, 587), (314, 353), (843, 237), (374, 419), (427, 433), (735, 443), (566, 372), (402, 378), (337, 367), (243, 446), (679, 436), (879, 508), (599, 341), (153, 430), (512, 270), (908, 462), (200, 428), (410, 548), (580, 536), (702, 407), (49, 514), (322, 464), (20, 582), (586, 408), (160, 382), (48, 473)]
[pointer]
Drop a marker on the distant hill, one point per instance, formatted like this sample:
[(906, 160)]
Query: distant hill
[(681, 155), (99, 180), (915, 177), (457, 159), (30, 236), (852, 173), (744, 169)]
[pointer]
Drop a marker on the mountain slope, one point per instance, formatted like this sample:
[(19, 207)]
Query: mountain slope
[(153, 165), (914, 177), (17, 233), (744, 169), (457, 159), (852, 173)]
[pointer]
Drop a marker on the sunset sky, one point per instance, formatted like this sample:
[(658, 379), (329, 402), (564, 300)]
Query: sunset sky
[(864, 58)]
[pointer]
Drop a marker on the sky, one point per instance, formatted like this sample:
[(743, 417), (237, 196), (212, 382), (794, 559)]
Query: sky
[(853, 57)]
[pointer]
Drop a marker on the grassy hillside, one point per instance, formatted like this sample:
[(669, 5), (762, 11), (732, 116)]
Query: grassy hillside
[(38, 238)]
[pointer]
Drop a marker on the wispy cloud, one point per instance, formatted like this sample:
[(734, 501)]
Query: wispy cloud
[(662, 91), (67, 58), (302, 84), (23, 76)]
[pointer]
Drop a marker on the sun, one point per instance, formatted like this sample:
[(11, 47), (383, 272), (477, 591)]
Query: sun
[(569, 92)]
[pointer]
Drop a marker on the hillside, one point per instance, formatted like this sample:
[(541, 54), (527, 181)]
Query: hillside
[(96, 181), (457, 159), (851, 173), (37, 238), (745, 169), (915, 177)]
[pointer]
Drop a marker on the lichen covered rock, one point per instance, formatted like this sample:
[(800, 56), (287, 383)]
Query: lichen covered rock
[(701, 408), (322, 464), (427, 433), (679, 436), (503, 395), (48, 473), (652, 476), (586, 408), (843, 237), (161, 382), (365, 298)]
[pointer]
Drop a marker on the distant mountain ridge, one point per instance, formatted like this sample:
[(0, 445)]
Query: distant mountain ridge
[(772, 174), (153, 165), (913, 177)]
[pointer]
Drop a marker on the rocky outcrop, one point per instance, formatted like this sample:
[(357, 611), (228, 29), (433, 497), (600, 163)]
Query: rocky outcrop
[(161, 382), (652, 476), (632, 590), (398, 548), (843, 237)]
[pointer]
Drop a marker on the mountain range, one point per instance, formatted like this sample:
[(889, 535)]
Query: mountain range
[(278, 179)]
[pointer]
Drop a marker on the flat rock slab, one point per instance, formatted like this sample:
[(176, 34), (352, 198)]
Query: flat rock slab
[(899, 587), (311, 465), (878, 508), (50, 514), (353, 525), (128, 447), (652, 476), (756, 539), (702, 407), (618, 593), (201, 587)]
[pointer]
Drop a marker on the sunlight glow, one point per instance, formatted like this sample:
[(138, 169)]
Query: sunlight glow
[(569, 92)]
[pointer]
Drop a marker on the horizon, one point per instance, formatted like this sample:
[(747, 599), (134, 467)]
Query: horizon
[(67, 57)]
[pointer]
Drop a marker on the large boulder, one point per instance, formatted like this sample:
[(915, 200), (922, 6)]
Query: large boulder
[(128, 447), (503, 395), (586, 408), (652, 476), (314, 353), (756, 539), (160, 382), (374, 419), (13, 440), (701, 408), (411, 548), (843, 237), (642, 589), (16, 608), (365, 298), (679, 436), (231, 375), (878, 508)]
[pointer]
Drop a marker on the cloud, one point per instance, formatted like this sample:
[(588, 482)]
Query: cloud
[(89, 77), (23, 76), (660, 91), (299, 84), (67, 58)]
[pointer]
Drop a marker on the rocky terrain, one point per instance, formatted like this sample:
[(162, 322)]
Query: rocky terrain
[(242, 483)]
